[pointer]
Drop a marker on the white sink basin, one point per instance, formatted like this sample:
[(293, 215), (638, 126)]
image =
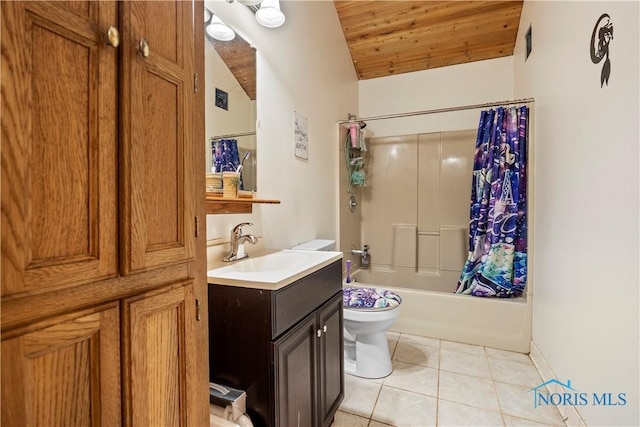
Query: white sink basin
[(272, 270)]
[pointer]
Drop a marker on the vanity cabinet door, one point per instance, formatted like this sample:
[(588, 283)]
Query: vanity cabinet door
[(330, 360), (295, 370)]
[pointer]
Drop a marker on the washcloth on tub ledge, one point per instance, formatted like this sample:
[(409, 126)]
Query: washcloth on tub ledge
[(370, 298)]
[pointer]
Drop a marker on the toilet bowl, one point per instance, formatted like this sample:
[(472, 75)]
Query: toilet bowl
[(367, 313)]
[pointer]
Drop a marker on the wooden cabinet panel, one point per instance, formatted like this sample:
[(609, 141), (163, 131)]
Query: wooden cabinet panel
[(64, 372), (159, 371), (59, 144), (330, 360), (98, 181), (157, 96), (295, 373)]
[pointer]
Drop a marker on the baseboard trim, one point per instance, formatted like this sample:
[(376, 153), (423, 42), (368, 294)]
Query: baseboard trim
[(570, 414)]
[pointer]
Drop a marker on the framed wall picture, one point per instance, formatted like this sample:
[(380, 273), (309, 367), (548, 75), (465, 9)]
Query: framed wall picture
[(301, 135), (222, 99)]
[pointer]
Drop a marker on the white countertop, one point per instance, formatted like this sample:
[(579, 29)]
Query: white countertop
[(270, 269)]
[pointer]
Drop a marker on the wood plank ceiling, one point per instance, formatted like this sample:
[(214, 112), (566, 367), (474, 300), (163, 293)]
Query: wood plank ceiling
[(394, 37), (240, 58)]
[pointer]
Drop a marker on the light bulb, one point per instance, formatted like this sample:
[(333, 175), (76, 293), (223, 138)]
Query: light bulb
[(219, 30), (269, 14)]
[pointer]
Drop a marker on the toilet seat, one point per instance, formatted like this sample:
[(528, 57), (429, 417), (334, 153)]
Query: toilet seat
[(369, 299)]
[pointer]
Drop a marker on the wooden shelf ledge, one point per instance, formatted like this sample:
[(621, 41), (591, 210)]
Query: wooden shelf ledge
[(216, 204)]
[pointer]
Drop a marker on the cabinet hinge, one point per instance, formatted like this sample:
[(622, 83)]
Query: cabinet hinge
[(198, 314), (195, 82), (197, 227)]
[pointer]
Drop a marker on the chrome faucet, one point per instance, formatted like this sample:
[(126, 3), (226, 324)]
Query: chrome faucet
[(236, 243), (364, 256)]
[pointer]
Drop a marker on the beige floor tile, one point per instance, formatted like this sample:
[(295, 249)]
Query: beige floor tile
[(415, 339), (456, 414), (508, 355), (393, 335), (417, 354), (506, 371), (404, 408), (392, 340), (467, 390), (464, 348), (518, 401), (344, 419), (416, 378), (374, 423), (510, 421), (360, 396), (464, 363)]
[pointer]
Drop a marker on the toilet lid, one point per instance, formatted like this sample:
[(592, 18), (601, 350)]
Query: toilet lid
[(370, 299)]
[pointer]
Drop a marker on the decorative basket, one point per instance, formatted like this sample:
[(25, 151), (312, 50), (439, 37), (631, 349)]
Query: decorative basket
[(214, 181), (230, 181)]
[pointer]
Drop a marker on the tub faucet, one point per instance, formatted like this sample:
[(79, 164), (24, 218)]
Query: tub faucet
[(236, 243), (364, 256)]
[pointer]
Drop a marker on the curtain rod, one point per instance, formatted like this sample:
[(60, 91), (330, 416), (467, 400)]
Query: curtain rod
[(232, 135), (442, 110)]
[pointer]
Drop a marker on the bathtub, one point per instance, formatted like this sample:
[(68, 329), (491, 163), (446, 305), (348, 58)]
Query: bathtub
[(503, 323)]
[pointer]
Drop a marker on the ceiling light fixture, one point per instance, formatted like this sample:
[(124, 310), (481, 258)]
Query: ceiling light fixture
[(269, 14), (219, 30)]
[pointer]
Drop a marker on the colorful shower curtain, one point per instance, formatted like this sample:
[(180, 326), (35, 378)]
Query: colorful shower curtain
[(497, 261)]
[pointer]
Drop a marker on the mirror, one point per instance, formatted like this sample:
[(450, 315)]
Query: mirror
[(230, 104)]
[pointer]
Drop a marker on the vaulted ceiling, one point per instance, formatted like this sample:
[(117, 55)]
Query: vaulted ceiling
[(394, 37)]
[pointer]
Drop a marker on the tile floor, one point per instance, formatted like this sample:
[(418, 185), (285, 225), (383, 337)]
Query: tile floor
[(443, 383)]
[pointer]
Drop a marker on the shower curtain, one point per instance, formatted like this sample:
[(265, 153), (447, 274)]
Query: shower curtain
[(497, 261)]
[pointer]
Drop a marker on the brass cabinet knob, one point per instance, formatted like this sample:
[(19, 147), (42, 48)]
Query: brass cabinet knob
[(113, 36), (143, 48)]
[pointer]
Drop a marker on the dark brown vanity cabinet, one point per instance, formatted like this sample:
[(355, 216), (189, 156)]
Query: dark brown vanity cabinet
[(283, 347)]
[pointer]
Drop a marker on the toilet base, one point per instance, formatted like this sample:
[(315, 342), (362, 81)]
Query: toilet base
[(372, 359)]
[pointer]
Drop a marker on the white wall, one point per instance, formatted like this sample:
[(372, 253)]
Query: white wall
[(456, 85), (586, 236), (303, 66)]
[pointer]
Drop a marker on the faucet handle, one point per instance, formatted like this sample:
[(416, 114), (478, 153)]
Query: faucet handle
[(238, 228)]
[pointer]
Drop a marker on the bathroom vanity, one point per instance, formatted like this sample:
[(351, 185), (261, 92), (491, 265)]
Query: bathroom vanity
[(280, 340)]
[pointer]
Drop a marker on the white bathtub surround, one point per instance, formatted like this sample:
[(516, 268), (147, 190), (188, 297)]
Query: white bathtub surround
[(500, 323)]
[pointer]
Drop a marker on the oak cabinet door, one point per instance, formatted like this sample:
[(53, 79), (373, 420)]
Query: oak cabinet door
[(59, 139), (159, 360), (65, 372), (157, 213)]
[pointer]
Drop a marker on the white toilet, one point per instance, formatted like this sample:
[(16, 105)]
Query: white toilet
[(366, 351)]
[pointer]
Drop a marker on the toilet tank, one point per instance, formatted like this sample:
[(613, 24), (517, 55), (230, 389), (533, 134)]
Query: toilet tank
[(316, 245)]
